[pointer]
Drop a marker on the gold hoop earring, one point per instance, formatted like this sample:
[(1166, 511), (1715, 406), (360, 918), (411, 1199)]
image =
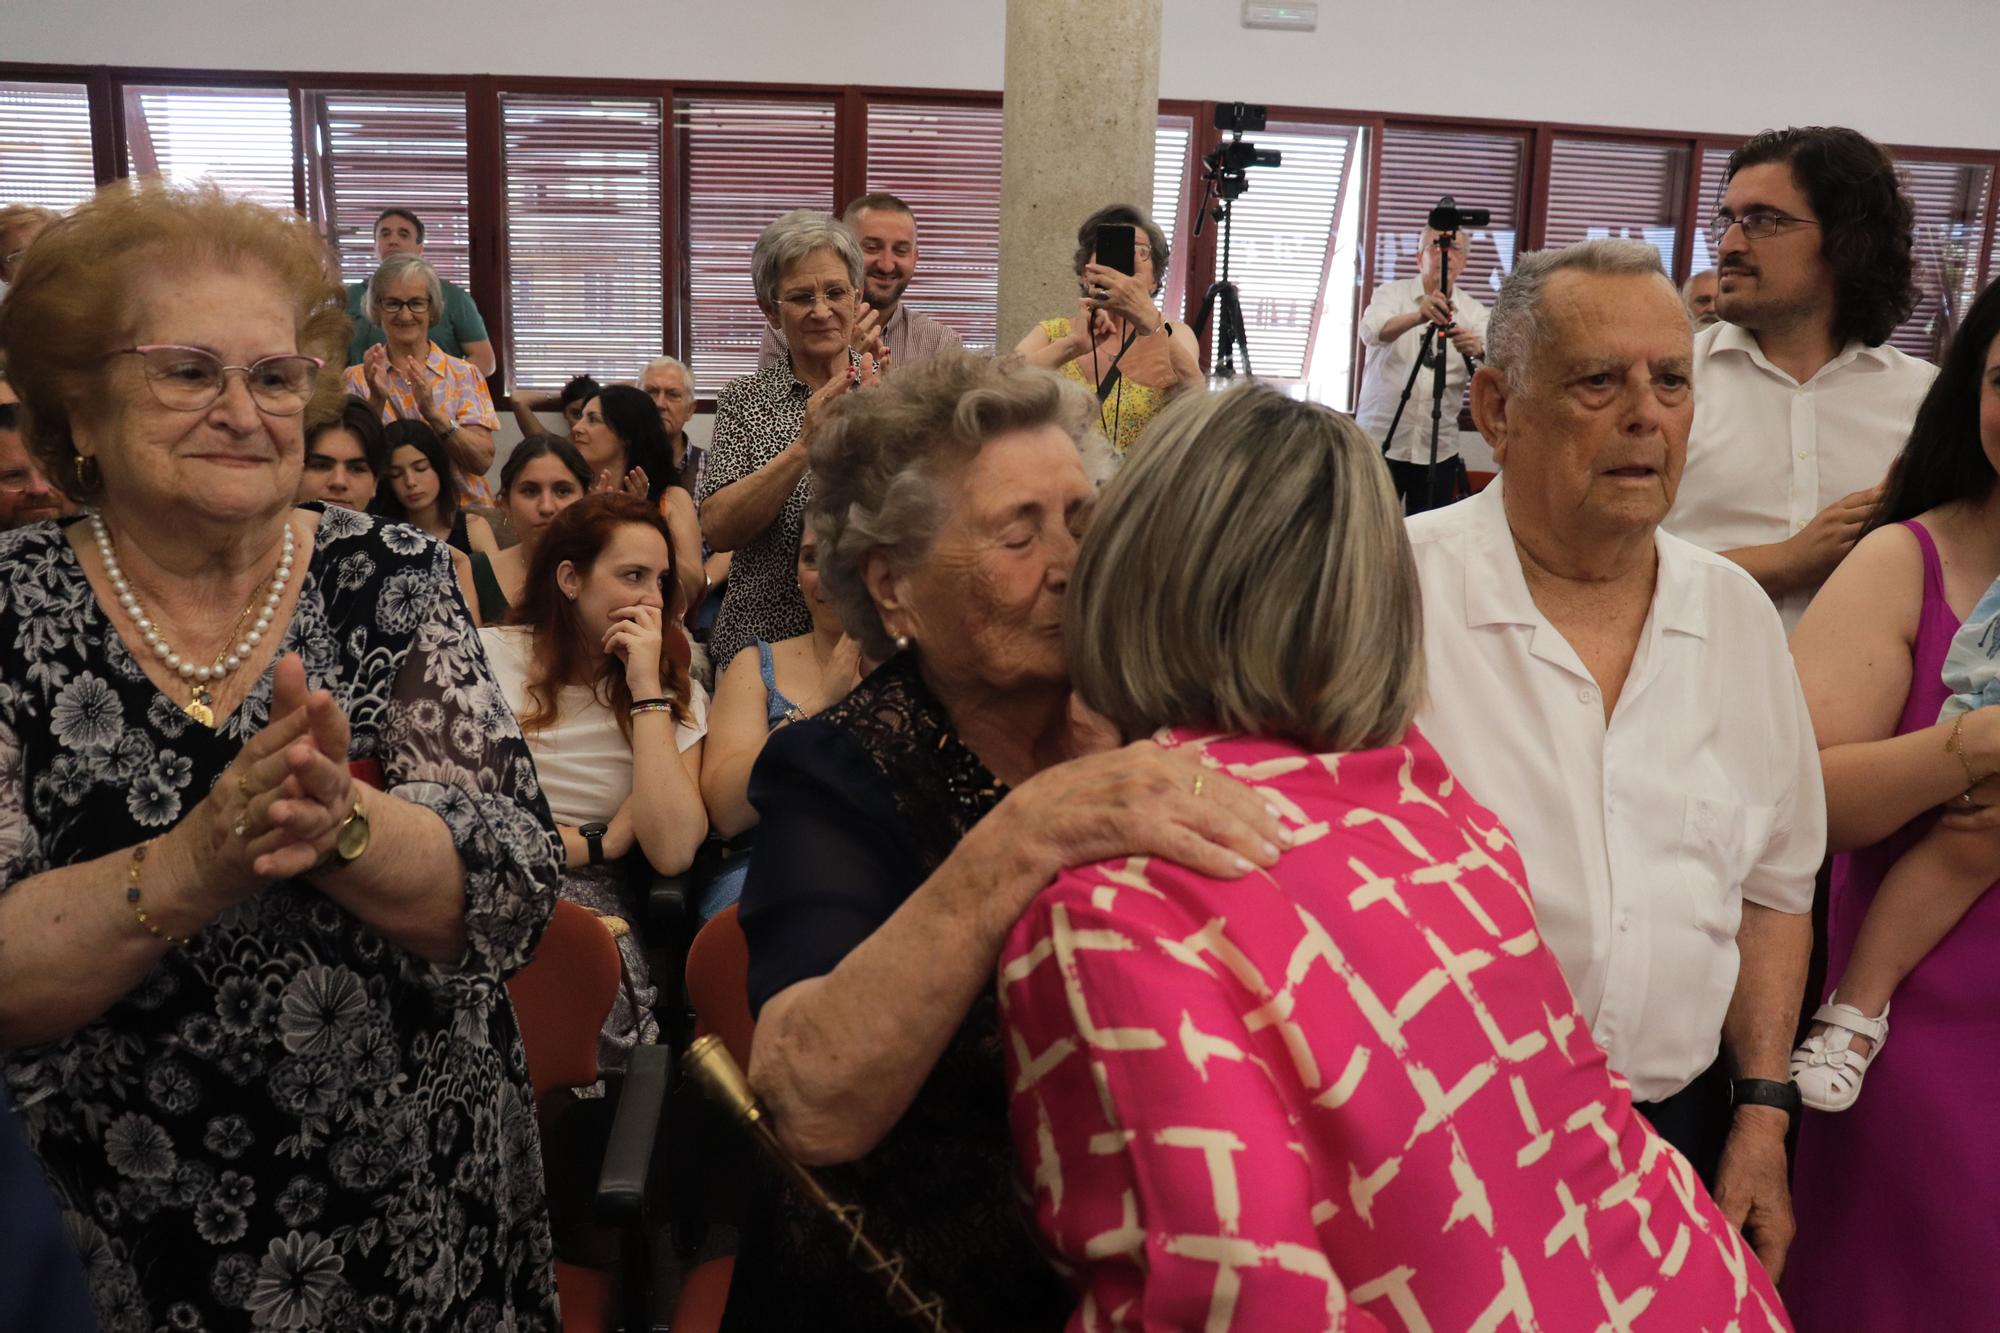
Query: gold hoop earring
[(89, 476)]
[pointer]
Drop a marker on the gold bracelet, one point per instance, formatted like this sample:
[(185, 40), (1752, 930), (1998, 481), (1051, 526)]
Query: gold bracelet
[(132, 897), (1955, 744)]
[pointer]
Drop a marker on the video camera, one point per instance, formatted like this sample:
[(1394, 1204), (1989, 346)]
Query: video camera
[(1227, 162), (1448, 216)]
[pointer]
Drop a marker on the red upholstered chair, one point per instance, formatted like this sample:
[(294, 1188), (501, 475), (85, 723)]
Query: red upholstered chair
[(561, 999), (718, 979)]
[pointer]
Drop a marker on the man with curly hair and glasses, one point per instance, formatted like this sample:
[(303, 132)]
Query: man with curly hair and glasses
[(1801, 403)]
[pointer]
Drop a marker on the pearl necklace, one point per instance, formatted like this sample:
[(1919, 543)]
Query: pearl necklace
[(201, 703)]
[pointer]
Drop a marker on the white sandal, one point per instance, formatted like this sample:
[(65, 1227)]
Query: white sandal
[(1826, 1067)]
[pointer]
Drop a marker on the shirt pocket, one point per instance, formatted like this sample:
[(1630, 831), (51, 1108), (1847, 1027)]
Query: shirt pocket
[(1721, 840)]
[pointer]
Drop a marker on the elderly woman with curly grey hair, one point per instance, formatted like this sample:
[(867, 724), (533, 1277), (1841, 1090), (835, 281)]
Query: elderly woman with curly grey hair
[(906, 827), (411, 378), (807, 268)]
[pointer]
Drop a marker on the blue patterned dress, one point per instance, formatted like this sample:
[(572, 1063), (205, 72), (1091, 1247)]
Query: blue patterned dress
[(292, 1123)]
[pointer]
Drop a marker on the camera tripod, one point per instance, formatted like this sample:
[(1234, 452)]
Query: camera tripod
[(1222, 300), (1433, 344)]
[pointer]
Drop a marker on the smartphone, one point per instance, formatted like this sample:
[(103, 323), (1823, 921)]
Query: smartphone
[(1117, 247)]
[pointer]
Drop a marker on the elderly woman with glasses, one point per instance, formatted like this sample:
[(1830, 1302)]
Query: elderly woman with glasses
[(269, 836), (754, 492), (411, 378)]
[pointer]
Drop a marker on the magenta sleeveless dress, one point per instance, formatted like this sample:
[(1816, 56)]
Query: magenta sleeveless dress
[(1898, 1197)]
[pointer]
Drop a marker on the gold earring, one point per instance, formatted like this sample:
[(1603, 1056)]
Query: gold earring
[(89, 476)]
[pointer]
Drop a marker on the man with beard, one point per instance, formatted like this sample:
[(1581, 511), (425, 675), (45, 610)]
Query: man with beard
[(1801, 404), (887, 230)]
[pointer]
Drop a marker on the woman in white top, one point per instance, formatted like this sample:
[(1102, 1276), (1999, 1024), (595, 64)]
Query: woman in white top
[(615, 726)]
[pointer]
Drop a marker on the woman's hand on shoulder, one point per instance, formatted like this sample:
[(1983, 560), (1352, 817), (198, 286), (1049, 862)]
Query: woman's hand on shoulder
[(1143, 800)]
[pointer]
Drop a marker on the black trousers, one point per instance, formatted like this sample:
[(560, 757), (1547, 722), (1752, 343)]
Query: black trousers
[(1696, 1120), (1413, 483)]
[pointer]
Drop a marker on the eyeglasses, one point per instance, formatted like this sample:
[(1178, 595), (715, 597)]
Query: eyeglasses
[(418, 306), (188, 379), (1757, 224), (804, 302)]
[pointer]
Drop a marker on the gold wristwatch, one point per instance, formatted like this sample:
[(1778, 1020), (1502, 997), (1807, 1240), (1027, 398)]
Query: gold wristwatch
[(350, 840)]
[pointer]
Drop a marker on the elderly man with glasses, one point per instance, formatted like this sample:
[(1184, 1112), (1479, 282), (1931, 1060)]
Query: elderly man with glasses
[(1802, 404)]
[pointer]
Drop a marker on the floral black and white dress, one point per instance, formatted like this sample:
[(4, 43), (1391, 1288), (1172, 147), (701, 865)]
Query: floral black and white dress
[(292, 1123)]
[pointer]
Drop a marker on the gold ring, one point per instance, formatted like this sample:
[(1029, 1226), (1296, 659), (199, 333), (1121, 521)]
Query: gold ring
[(1199, 778)]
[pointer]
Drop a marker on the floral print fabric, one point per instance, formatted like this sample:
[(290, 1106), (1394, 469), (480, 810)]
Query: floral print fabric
[(292, 1123)]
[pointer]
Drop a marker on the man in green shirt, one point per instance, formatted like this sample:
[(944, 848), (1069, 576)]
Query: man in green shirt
[(460, 333)]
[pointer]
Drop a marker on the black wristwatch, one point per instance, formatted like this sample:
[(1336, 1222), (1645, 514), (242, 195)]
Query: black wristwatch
[(1765, 1092), (593, 834)]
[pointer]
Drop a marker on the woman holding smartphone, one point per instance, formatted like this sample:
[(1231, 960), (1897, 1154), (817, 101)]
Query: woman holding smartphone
[(1119, 344)]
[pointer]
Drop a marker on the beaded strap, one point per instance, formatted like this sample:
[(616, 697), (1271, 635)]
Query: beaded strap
[(132, 897)]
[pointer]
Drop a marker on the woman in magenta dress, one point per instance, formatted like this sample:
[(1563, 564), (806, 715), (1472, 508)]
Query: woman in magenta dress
[(1898, 1197), (1351, 1092)]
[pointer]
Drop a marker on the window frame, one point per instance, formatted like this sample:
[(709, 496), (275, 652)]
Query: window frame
[(106, 85)]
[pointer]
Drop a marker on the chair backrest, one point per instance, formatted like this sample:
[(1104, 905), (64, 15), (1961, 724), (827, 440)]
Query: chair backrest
[(718, 982), (562, 997)]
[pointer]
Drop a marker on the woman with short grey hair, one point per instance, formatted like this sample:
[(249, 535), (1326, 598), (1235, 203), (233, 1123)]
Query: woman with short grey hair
[(905, 827), (806, 269), (1375, 1019)]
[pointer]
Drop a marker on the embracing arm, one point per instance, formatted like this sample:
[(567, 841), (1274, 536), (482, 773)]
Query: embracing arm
[(838, 1057)]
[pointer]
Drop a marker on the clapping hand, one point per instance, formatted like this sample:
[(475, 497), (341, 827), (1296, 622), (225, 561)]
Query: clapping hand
[(866, 336), (375, 369), (866, 375), (294, 778)]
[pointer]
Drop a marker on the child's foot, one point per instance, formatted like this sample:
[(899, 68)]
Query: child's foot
[(1828, 1066)]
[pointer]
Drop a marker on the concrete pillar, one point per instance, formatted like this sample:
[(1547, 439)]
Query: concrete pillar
[(1082, 103)]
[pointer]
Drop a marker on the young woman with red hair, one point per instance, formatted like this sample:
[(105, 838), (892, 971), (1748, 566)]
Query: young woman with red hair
[(594, 665)]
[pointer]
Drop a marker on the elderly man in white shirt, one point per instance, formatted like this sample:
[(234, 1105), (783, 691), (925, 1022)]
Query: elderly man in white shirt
[(1803, 403), (1392, 329), (1625, 703)]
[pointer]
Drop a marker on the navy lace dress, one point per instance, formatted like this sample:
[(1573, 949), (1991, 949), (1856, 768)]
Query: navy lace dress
[(859, 805), (292, 1123)]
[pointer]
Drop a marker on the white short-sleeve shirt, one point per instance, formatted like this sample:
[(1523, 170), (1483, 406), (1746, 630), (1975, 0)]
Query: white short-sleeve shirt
[(1388, 370), (582, 759), (1766, 452), (1641, 836)]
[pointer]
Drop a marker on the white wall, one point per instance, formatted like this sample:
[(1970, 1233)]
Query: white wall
[(1905, 71)]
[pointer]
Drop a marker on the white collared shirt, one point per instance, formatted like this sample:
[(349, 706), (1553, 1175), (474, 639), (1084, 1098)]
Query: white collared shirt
[(1642, 836), (1767, 453), (1388, 370)]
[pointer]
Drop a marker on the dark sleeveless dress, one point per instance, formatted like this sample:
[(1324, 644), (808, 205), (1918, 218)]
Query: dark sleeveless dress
[(1898, 1197), (859, 806)]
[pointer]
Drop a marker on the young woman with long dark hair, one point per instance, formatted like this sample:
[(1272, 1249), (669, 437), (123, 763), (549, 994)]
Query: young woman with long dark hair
[(543, 476), (626, 447), (418, 489)]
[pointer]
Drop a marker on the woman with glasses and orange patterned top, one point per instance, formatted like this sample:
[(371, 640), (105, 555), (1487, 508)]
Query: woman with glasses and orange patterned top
[(251, 1010), (411, 378), (1119, 345)]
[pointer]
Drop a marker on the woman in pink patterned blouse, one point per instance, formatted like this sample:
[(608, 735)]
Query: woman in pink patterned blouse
[(1352, 1092)]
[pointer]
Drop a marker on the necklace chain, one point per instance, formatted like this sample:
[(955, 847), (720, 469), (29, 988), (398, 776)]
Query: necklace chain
[(201, 702)]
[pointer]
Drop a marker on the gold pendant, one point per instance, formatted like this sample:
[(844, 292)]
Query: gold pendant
[(198, 709)]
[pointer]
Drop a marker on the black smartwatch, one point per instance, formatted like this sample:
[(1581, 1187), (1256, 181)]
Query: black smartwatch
[(1766, 1092), (593, 834)]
